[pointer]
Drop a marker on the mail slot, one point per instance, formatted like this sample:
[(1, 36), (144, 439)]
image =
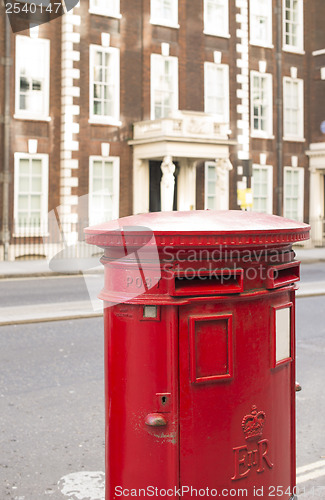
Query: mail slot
[(203, 282), (199, 353), (283, 275)]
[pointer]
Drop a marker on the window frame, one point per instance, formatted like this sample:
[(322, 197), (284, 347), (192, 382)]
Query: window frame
[(116, 185), (300, 199), (268, 134), (300, 108), (226, 88), (206, 21), (253, 39), (269, 195), (275, 335), (30, 114), (160, 21), (103, 119), (208, 164), (115, 12), (174, 106), (43, 229), (299, 48)]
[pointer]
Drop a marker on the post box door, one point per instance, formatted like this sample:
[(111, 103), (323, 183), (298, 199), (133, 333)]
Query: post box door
[(235, 397)]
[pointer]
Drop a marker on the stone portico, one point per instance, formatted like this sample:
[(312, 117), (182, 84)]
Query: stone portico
[(188, 138)]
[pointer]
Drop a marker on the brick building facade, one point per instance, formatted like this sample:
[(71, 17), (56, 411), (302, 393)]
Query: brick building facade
[(231, 91)]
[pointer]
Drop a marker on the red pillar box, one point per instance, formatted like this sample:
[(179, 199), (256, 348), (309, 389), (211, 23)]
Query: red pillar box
[(200, 354)]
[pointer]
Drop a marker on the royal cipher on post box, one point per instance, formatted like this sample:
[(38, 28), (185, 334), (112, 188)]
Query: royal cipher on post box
[(199, 354)]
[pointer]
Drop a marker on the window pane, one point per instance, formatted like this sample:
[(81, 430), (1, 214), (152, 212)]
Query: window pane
[(32, 73), (108, 185), (29, 196), (216, 16), (216, 91), (23, 184), (102, 201), (261, 103), (292, 23), (36, 167), (105, 86), (35, 202), (164, 85), (293, 109), (36, 184), (22, 202), (292, 192), (261, 192), (106, 6), (97, 184), (164, 10), (211, 202)]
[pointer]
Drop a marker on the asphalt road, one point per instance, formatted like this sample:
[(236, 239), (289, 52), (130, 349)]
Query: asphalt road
[(52, 407), (52, 417), (26, 291)]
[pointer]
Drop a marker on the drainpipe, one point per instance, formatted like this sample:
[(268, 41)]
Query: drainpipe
[(6, 143), (279, 107), (142, 58)]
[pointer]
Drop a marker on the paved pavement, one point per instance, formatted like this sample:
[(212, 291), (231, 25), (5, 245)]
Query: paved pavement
[(87, 309)]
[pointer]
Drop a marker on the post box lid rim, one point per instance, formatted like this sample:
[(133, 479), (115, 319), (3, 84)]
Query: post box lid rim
[(224, 225)]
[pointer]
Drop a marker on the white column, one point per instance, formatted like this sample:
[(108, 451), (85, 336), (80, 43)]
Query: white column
[(140, 186), (222, 191), (242, 63), (70, 88), (186, 185), (316, 207)]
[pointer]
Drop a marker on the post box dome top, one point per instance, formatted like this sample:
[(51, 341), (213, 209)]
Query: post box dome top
[(198, 228)]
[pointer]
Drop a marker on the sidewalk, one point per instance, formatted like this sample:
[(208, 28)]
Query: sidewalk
[(309, 255), (40, 313), (34, 268)]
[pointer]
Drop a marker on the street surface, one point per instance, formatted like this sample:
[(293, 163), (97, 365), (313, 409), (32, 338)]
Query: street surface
[(312, 272), (27, 291), (52, 401), (52, 396)]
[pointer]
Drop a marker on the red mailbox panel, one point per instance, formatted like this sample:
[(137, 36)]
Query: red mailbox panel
[(140, 379), (218, 447)]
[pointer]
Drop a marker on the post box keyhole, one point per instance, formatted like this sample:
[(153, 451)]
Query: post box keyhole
[(163, 401)]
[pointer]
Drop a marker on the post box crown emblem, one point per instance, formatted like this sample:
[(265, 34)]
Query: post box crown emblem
[(253, 424)]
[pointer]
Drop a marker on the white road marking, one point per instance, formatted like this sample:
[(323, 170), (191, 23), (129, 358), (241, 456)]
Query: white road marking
[(84, 485), (87, 485), (310, 471), (311, 475), (308, 467)]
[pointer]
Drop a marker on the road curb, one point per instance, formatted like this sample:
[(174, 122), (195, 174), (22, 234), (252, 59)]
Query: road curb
[(25, 321), (59, 311), (74, 310)]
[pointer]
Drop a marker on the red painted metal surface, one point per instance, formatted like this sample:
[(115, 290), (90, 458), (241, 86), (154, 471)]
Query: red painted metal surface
[(199, 361)]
